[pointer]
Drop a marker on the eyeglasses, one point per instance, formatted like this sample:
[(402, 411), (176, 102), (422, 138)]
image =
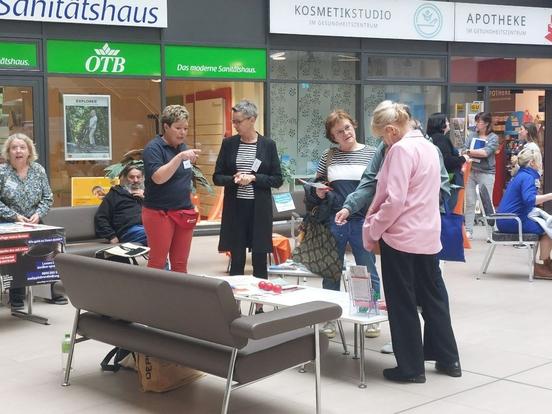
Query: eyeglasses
[(345, 129), (239, 121)]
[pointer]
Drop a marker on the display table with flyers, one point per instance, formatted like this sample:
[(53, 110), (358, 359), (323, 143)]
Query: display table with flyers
[(27, 258), (246, 288)]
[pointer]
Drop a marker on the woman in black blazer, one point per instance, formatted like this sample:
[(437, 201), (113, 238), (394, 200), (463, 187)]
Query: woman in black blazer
[(248, 167), (438, 129)]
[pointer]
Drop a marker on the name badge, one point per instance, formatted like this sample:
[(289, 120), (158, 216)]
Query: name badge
[(187, 164), (256, 165)]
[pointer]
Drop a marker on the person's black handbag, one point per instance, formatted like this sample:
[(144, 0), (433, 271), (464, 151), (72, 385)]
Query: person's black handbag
[(318, 250), (452, 239)]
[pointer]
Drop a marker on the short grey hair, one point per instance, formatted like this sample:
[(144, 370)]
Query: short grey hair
[(247, 108), (30, 146), (174, 113)]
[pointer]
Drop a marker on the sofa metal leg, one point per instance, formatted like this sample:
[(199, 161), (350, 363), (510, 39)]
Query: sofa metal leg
[(317, 367), (228, 388), (72, 350)]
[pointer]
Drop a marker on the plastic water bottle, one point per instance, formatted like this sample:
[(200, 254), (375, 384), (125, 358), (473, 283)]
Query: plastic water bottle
[(65, 349)]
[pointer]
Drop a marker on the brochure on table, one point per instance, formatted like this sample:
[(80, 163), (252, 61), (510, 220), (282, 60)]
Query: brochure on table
[(27, 254)]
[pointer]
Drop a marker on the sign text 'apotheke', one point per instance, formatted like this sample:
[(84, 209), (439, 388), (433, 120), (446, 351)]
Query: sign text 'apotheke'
[(106, 61)]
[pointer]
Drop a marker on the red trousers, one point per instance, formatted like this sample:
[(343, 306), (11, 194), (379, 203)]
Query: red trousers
[(166, 238)]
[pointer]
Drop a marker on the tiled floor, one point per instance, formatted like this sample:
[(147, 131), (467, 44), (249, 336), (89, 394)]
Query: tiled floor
[(502, 325)]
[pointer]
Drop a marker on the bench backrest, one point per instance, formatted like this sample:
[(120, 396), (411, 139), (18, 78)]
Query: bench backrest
[(194, 306), (77, 221)]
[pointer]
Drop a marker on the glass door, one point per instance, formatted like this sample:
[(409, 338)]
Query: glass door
[(20, 112)]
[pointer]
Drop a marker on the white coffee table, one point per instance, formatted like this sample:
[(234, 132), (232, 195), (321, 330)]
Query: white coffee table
[(245, 289)]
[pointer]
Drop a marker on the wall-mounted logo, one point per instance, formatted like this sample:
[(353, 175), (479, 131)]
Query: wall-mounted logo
[(105, 61), (549, 35), (428, 20)]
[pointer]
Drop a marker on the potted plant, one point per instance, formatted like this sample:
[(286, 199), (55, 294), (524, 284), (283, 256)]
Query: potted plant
[(134, 157)]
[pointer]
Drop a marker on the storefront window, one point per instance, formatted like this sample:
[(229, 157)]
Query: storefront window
[(423, 100), (16, 111), (395, 67), (128, 109), (293, 65), (298, 113), (492, 69), (299, 107), (210, 105)]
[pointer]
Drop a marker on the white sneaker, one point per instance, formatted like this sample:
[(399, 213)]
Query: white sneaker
[(372, 331), (329, 329), (387, 348)]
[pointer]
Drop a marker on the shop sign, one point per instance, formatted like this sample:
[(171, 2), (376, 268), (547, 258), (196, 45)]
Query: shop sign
[(15, 55), (215, 62), (504, 24), (395, 19), (141, 13), (103, 58)]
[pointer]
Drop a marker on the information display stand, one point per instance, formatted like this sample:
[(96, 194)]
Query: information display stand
[(27, 258)]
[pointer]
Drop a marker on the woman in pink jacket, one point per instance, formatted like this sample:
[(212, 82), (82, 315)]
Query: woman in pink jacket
[(404, 218)]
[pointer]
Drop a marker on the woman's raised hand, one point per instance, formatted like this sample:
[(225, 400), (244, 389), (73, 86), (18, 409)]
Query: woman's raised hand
[(321, 192), (191, 154)]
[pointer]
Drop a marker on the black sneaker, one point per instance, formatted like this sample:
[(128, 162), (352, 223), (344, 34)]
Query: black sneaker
[(58, 300), (394, 374), (452, 370)]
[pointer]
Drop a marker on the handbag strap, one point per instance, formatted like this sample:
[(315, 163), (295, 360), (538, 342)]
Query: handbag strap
[(118, 355)]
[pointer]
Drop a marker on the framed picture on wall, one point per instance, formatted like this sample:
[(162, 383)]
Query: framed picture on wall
[(87, 132)]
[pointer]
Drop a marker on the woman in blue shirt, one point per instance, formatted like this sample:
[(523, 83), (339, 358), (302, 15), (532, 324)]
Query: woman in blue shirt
[(520, 198)]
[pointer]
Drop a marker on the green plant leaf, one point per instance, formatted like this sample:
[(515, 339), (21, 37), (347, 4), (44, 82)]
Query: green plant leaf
[(200, 179)]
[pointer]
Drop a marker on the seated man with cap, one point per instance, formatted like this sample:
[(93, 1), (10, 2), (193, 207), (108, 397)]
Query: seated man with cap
[(119, 216)]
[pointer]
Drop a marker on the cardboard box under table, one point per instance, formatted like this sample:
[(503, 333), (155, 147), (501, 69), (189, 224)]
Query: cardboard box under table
[(27, 259)]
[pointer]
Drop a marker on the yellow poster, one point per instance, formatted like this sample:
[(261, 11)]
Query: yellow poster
[(89, 191)]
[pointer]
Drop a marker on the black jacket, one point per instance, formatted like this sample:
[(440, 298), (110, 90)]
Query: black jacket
[(453, 161), (267, 177), (118, 211)]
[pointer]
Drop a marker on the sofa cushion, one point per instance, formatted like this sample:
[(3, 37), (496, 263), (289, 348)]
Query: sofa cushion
[(259, 358)]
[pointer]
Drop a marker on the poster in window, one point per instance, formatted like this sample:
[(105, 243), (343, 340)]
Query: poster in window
[(89, 191), (87, 121)]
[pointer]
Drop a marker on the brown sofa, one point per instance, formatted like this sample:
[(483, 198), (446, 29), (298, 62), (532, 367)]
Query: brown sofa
[(80, 233), (192, 320)]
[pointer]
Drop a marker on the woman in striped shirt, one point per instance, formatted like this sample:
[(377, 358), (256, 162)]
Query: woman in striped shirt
[(248, 167), (342, 168)]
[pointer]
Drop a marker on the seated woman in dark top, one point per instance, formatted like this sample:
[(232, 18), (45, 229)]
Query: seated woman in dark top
[(438, 129)]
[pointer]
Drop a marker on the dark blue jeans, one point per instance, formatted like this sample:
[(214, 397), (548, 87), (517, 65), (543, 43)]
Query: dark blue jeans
[(351, 232), (135, 234)]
